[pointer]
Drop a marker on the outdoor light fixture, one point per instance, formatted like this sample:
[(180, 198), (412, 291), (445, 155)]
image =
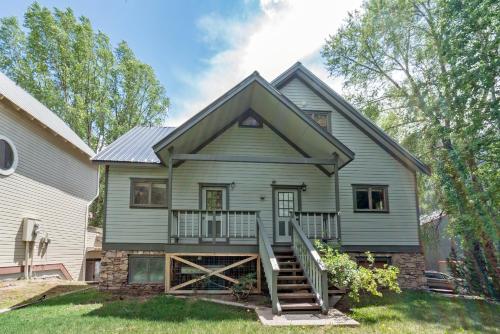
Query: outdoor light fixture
[(303, 186), (233, 185)]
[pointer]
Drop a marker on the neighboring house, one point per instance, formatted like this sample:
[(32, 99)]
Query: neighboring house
[(195, 208), (94, 249), (436, 242), (47, 182)]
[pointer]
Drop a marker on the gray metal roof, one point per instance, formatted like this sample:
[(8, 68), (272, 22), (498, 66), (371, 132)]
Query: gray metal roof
[(136, 146), (41, 113)]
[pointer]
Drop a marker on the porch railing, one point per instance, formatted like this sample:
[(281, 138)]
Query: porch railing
[(311, 263), (270, 265), (318, 225), (195, 225)]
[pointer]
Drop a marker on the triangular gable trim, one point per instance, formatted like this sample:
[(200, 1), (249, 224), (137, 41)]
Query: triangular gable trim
[(301, 73), (254, 77)]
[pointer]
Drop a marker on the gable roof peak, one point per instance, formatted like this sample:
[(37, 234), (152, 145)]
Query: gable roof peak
[(351, 113)]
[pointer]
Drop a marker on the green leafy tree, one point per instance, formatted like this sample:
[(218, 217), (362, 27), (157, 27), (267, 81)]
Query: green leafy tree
[(99, 91), (427, 71)]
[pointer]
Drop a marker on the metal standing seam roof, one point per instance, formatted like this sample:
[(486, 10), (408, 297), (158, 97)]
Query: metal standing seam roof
[(135, 146), (41, 113)]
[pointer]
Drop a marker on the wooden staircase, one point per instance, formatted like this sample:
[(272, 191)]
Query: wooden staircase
[(295, 294)]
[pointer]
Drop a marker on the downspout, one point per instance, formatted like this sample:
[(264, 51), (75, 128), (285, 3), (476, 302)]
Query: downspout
[(87, 210)]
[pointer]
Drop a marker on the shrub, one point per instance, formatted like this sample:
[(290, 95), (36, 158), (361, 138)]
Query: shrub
[(345, 273), (245, 285)]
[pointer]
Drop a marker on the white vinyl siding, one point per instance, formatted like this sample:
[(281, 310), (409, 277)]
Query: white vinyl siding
[(371, 165), (52, 182)]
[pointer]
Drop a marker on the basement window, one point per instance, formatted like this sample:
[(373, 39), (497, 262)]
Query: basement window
[(8, 156), (148, 193), (370, 198), (146, 269)]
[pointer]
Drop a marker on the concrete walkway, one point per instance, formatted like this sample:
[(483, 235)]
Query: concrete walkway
[(333, 318)]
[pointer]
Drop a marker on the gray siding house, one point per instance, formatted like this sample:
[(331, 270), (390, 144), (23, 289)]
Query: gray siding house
[(47, 182), (246, 184)]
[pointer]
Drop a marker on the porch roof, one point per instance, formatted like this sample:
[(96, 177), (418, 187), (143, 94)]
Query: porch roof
[(278, 112)]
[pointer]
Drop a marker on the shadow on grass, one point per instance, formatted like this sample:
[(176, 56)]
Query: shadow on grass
[(157, 308), (420, 306)]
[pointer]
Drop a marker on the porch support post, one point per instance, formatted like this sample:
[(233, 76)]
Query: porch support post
[(170, 192), (337, 193)]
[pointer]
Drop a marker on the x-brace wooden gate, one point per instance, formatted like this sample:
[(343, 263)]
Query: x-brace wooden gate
[(178, 289)]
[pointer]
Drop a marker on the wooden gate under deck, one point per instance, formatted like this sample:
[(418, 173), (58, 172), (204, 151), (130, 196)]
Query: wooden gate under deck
[(206, 272)]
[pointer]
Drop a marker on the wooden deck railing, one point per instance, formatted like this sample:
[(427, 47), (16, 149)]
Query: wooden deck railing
[(270, 265), (318, 225), (219, 225), (311, 263)]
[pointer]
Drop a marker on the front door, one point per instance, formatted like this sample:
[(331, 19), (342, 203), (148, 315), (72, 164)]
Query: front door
[(285, 200), (213, 202)]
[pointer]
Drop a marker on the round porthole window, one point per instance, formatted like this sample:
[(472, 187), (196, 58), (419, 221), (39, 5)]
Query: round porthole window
[(8, 156)]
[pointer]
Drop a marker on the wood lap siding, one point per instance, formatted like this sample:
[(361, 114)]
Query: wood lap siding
[(371, 165), (54, 183), (252, 181), (133, 225)]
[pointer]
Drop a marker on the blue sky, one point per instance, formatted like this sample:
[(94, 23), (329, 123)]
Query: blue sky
[(200, 49)]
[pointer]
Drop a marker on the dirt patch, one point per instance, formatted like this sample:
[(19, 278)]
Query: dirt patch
[(14, 293)]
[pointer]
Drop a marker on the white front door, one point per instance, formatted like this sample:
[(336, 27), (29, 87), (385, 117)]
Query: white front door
[(285, 200), (213, 202)]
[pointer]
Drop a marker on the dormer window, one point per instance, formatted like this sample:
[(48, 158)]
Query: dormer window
[(250, 120)]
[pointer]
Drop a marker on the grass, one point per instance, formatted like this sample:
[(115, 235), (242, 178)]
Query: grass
[(96, 312), (19, 292)]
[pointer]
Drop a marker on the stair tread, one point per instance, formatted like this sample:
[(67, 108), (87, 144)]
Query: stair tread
[(289, 270), (288, 262), (294, 285), (297, 277), (295, 295), (300, 306)]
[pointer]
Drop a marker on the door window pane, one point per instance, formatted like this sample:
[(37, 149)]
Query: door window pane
[(285, 203), (214, 200)]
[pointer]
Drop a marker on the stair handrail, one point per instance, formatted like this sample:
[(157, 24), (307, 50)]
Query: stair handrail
[(270, 265), (312, 265)]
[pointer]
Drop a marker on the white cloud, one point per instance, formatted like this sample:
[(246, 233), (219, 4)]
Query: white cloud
[(282, 33)]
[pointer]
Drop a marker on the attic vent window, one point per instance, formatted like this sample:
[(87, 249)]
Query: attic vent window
[(8, 156), (251, 121)]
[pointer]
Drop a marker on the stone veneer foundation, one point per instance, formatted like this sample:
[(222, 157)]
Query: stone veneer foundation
[(411, 268), (114, 271)]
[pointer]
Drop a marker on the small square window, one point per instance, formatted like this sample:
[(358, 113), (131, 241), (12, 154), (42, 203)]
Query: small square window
[(367, 198), (146, 269), (320, 117), (148, 193)]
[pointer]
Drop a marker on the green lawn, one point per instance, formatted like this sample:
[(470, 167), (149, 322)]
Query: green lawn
[(95, 312)]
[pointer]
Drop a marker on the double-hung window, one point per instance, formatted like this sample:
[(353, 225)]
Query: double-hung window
[(370, 198), (148, 193)]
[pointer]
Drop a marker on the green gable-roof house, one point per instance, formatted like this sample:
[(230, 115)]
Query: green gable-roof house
[(247, 183)]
